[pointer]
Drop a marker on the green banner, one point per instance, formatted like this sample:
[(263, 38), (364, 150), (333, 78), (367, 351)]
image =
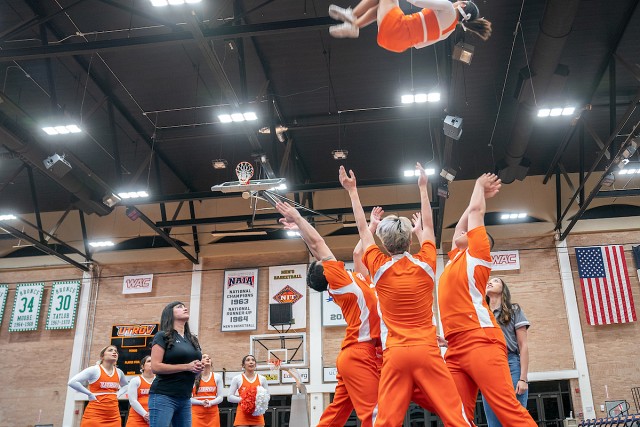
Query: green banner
[(26, 307), (4, 290), (62, 305)]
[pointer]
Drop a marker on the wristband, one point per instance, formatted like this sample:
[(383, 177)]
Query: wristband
[(526, 382)]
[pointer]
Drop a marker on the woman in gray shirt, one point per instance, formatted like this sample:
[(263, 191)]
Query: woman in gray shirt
[(514, 325)]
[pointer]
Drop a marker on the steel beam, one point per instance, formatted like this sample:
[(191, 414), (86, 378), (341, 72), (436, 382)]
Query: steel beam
[(618, 193), (151, 17), (55, 239), (194, 229), (36, 206), (37, 20), (14, 176), (44, 248)]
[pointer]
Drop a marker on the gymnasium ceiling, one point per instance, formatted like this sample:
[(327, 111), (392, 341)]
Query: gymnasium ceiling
[(146, 85)]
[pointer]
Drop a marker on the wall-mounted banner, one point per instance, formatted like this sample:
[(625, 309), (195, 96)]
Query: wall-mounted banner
[(137, 284), (288, 284), (288, 379), (62, 305), (26, 307), (505, 260), (272, 377), (329, 375), (240, 300), (133, 343), (228, 376), (331, 313), (4, 291)]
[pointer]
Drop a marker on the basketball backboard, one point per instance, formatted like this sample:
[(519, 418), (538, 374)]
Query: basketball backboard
[(290, 349)]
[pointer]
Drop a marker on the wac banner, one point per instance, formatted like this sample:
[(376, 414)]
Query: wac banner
[(288, 284), (133, 343), (137, 284), (240, 300), (62, 305), (505, 260), (26, 307)]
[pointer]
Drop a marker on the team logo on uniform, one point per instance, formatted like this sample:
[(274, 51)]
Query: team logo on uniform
[(287, 295)]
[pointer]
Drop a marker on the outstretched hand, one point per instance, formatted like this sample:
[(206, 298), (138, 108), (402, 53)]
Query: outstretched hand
[(289, 213), (490, 183), (422, 179), (375, 218), (417, 223), (348, 181)]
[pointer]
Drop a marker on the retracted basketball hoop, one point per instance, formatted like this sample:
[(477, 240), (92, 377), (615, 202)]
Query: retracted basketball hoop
[(244, 172)]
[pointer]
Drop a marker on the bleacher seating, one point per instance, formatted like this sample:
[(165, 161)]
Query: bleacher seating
[(622, 421)]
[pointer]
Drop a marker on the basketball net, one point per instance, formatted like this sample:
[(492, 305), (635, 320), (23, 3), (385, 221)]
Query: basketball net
[(274, 364), (244, 172)]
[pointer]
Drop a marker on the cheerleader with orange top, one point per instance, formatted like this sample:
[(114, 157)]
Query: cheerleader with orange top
[(139, 395), (244, 387), (206, 397), (104, 381)]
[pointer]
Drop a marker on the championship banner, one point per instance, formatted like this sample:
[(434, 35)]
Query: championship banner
[(288, 284), (240, 300), (62, 305), (137, 284), (26, 307), (133, 343), (4, 291), (331, 312), (505, 260)]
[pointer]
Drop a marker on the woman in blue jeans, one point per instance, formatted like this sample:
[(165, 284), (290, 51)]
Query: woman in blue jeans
[(175, 359), (514, 325)]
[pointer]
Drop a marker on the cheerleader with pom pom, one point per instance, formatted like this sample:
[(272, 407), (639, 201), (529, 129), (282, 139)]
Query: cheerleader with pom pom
[(250, 391)]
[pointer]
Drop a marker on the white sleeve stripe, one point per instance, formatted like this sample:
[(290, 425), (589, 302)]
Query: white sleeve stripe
[(386, 266), (425, 266)]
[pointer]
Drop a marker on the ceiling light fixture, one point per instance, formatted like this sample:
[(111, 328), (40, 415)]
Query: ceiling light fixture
[(420, 98), (453, 127), (291, 233), (61, 129), (7, 217), (463, 52), (340, 154), (101, 244), (556, 111), (512, 216), (111, 200), (238, 117), (415, 172), (133, 194), (219, 163)]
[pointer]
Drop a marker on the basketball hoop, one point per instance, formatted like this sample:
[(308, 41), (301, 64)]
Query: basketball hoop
[(274, 364), (244, 172)]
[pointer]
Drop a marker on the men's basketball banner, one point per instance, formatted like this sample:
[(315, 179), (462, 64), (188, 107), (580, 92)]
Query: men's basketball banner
[(4, 291), (26, 307), (62, 305), (606, 290), (636, 258), (137, 284), (240, 300), (288, 284), (331, 312), (505, 260), (133, 342)]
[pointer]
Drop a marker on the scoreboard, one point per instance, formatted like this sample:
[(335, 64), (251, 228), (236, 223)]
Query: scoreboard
[(133, 343)]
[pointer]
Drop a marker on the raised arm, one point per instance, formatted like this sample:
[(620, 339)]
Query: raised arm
[(310, 235), (358, 251), (349, 184), (425, 208), (461, 227), (486, 186)]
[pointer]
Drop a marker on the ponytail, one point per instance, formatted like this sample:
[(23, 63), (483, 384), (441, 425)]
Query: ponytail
[(470, 19)]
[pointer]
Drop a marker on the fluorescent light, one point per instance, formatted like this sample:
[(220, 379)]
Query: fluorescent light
[(522, 215), (237, 117), (513, 216), (50, 130), (340, 154), (504, 216), (237, 233), (555, 112), (409, 173), (176, 2), (158, 3), (433, 97), (632, 171), (225, 118), (219, 163), (193, 1), (421, 97), (430, 171), (416, 172), (279, 187), (101, 244), (293, 233), (143, 194), (133, 194), (544, 112), (62, 130), (250, 116), (568, 111), (407, 99), (7, 217), (73, 129)]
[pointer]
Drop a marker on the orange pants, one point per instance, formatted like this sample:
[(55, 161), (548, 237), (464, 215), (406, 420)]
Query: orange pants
[(421, 367), (478, 359), (359, 372), (398, 32)]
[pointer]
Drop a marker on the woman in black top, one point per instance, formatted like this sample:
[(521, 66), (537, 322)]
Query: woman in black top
[(175, 359)]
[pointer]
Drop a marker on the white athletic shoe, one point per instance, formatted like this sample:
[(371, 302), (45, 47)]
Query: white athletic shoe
[(343, 31), (340, 14)]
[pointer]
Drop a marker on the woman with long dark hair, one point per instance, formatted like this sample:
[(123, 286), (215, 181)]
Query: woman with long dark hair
[(175, 359), (398, 32), (103, 380), (139, 395), (514, 325)]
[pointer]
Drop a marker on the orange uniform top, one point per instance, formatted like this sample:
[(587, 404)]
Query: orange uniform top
[(243, 419), (462, 286), (404, 285), (357, 300), (135, 419), (106, 387), (207, 390)]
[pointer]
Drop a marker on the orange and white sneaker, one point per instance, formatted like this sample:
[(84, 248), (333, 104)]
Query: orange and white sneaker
[(341, 14), (344, 31)]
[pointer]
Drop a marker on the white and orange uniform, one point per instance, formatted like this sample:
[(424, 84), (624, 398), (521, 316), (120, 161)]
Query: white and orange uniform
[(435, 22), (239, 383), (404, 285), (103, 412), (207, 390), (358, 365), (139, 400), (477, 353)]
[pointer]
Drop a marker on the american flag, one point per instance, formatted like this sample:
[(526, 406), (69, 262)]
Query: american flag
[(636, 257), (606, 290)]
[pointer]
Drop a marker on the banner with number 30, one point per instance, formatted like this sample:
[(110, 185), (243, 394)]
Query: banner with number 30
[(62, 305)]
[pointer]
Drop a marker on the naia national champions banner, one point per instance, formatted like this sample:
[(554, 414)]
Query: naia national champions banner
[(288, 284), (240, 300)]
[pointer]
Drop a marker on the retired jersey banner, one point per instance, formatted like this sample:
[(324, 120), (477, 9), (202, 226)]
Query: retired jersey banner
[(137, 284), (26, 307), (505, 260), (240, 300), (4, 291), (331, 312), (62, 305), (288, 284)]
